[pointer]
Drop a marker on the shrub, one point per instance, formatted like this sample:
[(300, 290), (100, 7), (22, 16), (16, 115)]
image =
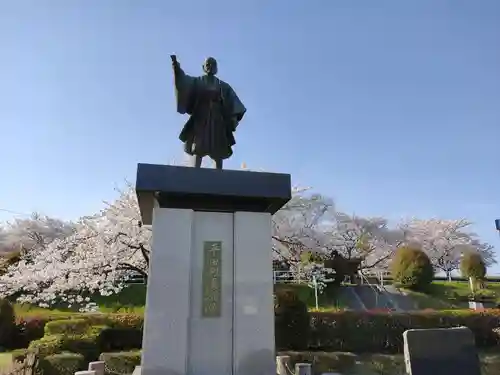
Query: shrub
[(87, 345), (411, 268), (88, 335), (120, 339), (121, 362), (7, 323), (360, 332), (47, 345), (62, 364), (117, 320), (28, 330), (32, 328), (472, 265), (67, 327), (291, 321)]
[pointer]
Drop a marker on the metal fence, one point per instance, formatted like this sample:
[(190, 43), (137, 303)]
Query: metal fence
[(287, 277)]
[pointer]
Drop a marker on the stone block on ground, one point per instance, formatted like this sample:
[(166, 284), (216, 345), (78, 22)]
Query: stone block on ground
[(441, 351), (303, 369), (98, 367)]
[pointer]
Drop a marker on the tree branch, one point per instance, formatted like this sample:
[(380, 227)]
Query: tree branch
[(130, 267), (145, 252)]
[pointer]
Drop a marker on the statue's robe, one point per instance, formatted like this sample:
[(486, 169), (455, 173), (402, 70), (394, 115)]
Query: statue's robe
[(215, 110)]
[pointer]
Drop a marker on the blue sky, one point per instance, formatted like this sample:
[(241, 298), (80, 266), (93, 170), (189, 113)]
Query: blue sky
[(390, 107)]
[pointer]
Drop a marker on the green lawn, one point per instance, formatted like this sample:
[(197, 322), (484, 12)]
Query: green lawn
[(426, 301), (326, 301), (451, 295), (130, 300), (441, 295), (461, 289)]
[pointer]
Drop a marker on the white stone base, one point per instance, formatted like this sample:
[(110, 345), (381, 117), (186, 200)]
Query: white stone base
[(178, 340)]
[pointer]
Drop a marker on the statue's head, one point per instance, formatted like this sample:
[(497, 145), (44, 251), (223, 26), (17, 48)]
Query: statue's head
[(210, 66)]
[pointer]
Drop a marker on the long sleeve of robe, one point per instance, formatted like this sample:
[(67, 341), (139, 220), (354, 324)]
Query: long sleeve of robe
[(184, 91)]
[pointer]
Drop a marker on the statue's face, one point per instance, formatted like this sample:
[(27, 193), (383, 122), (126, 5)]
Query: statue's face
[(210, 66)]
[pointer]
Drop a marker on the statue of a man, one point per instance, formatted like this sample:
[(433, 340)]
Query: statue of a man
[(215, 111)]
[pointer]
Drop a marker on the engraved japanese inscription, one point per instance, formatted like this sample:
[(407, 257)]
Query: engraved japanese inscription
[(211, 279)]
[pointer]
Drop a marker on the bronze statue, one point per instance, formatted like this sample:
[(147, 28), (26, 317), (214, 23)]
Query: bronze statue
[(343, 267), (215, 111)]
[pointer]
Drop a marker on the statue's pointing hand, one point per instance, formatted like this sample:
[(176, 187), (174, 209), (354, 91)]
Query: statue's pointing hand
[(175, 63)]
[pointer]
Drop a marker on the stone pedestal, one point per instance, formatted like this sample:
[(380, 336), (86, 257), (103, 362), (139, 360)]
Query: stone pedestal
[(209, 308), (441, 351)]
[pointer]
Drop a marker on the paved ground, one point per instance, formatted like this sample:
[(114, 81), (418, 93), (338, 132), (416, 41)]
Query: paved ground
[(5, 360)]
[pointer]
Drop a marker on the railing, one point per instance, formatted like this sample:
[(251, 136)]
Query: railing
[(380, 288), (287, 277), (380, 275), (136, 279), (364, 280)]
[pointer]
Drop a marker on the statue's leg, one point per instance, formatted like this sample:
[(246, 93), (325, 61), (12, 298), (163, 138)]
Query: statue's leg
[(218, 163), (196, 161)]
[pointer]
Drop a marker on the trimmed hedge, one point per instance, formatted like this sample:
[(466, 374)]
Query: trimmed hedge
[(89, 337), (121, 362), (291, 321), (55, 364), (89, 345), (412, 268), (383, 332), (472, 265), (67, 327), (369, 332), (120, 339), (62, 364), (33, 328)]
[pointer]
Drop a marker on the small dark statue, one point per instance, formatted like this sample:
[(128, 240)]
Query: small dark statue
[(215, 111), (343, 267)]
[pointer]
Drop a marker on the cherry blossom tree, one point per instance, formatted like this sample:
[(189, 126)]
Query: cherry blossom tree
[(368, 238), (309, 230), (99, 253), (108, 248), (4, 245), (445, 241), (310, 224), (298, 225), (98, 257), (32, 232)]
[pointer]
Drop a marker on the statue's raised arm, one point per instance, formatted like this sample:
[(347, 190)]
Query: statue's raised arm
[(184, 87), (175, 64)]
